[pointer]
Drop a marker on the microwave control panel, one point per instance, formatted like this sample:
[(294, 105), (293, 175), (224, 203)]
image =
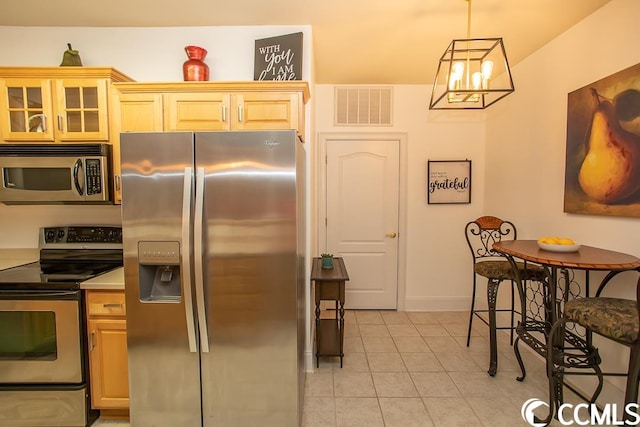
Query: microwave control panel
[(94, 176)]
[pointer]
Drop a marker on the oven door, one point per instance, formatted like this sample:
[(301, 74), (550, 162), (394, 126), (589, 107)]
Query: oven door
[(40, 337)]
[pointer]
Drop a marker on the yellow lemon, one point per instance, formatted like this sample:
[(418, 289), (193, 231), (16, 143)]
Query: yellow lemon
[(566, 241), (543, 240)]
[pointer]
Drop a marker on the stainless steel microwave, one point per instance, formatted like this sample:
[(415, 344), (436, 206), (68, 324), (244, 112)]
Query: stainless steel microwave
[(55, 173)]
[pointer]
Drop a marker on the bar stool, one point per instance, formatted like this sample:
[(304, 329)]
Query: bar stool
[(616, 319), (481, 234)]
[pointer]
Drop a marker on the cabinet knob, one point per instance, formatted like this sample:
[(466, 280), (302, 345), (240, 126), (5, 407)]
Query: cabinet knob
[(391, 234)]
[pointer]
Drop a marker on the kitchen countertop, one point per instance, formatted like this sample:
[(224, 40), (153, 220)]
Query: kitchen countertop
[(14, 257), (113, 280)]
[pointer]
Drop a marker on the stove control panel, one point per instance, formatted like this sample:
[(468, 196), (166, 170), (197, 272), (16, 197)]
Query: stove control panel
[(81, 234)]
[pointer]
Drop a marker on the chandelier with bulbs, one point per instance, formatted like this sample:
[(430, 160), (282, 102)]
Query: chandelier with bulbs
[(472, 73)]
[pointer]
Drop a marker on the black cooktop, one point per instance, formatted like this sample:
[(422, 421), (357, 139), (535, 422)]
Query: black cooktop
[(68, 256), (32, 276)]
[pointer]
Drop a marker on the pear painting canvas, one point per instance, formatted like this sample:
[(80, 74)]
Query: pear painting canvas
[(602, 173)]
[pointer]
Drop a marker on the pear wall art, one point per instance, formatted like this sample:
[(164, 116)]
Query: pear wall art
[(602, 173)]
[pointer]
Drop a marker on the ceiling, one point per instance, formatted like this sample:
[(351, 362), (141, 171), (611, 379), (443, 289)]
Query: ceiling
[(354, 41)]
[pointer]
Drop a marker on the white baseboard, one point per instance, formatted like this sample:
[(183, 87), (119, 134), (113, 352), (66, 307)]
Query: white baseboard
[(451, 303), (437, 303), (309, 361)]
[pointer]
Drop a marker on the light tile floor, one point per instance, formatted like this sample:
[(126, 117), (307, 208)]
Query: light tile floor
[(413, 369)]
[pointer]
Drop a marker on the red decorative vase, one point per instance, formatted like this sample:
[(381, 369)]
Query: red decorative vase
[(194, 69)]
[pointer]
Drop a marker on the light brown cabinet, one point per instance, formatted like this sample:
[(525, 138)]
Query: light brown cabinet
[(108, 363), (206, 106), (139, 112), (231, 111), (56, 104), (201, 106), (196, 111)]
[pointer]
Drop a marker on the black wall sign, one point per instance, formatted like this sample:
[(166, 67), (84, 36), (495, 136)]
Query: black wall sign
[(278, 58)]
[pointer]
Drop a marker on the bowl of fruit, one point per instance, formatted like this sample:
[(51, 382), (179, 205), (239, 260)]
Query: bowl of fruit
[(558, 244)]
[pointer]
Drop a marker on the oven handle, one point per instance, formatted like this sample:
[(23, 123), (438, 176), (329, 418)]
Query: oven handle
[(31, 295), (198, 254), (77, 167), (186, 262)]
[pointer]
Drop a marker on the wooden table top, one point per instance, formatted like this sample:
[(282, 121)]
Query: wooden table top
[(337, 273), (586, 258)]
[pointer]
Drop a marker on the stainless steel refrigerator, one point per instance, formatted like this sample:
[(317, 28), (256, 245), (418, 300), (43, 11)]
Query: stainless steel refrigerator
[(214, 237)]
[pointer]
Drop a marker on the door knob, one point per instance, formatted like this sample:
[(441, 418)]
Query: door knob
[(392, 235)]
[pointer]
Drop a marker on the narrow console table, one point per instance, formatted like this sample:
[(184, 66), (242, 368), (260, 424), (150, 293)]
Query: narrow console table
[(329, 286)]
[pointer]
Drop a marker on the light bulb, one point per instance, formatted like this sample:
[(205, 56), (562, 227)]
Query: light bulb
[(453, 81), (487, 69), (476, 80), (458, 70)]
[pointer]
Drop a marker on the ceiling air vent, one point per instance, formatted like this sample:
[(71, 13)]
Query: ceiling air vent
[(363, 106)]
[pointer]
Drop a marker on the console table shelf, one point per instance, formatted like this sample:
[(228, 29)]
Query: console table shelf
[(329, 286)]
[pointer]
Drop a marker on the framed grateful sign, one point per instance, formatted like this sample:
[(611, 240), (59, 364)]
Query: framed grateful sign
[(448, 181)]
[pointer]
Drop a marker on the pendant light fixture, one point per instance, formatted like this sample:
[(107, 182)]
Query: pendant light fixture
[(472, 73)]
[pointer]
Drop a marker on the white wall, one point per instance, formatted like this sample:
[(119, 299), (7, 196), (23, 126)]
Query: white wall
[(147, 54), (144, 54), (438, 263), (526, 132), (526, 137)]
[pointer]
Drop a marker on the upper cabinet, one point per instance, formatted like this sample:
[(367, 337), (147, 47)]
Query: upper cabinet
[(259, 110), (138, 111), (202, 106), (56, 104), (205, 106)]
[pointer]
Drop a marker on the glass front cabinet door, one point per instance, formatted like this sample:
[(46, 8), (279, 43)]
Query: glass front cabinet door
[(54, 110)]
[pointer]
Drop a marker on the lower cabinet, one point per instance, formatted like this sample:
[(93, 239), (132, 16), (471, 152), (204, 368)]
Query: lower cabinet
[(109, 373)]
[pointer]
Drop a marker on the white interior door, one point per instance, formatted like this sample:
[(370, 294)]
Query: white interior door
[(362, 184)]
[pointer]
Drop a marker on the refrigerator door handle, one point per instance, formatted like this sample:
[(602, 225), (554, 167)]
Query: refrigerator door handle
[(198, 254), (186, 262)]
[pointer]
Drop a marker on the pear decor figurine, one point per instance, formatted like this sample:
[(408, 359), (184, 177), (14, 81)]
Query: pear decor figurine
[(71, 57), (610, 172)]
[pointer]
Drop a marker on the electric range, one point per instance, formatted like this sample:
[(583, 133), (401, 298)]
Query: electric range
[(44, 365)]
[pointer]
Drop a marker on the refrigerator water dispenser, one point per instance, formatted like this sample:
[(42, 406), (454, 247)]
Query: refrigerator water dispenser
[(159, 267)]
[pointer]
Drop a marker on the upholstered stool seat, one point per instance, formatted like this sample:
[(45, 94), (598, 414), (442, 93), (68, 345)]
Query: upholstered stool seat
[(613, 318), (501, 270), (616, 319)]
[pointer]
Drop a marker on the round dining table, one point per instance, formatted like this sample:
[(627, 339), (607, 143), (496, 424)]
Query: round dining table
[(557, 287)]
